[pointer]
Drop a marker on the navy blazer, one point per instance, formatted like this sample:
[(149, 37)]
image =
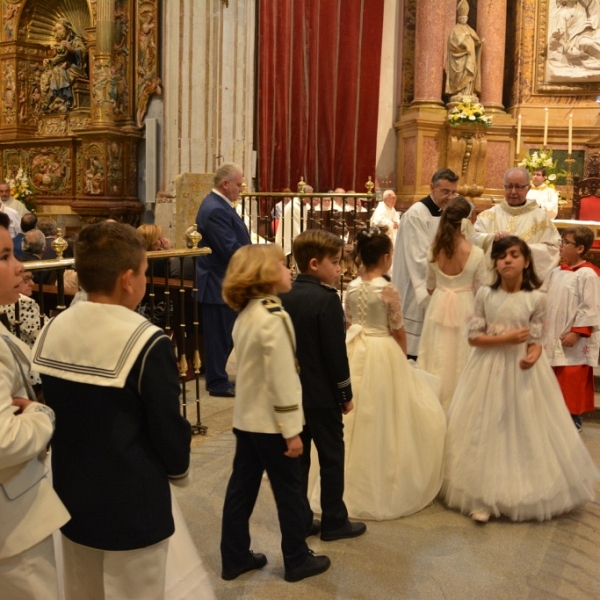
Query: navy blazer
[(223, 231), (318, 318)]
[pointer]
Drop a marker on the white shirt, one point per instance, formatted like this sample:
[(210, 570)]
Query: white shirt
[(16, 205), (546, 198), (14, 229)]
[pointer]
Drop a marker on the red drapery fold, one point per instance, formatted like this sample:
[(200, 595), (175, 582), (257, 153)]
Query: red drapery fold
[(318, 88)]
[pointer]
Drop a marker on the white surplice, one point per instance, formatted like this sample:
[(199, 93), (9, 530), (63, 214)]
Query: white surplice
[(415, 234), (573, 300)]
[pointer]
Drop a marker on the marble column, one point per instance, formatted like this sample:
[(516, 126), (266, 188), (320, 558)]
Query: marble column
[(208, 100), (429, 52), (491, 27)]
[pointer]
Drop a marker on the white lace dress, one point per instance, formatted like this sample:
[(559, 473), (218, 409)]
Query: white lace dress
[(511, 447), (444, 348), (395, 434)]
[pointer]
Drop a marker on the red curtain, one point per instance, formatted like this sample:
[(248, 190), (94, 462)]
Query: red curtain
[(318, 92)]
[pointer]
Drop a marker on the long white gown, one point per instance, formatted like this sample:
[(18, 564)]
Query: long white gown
[(395, 434), (444, 348), (511, 447)]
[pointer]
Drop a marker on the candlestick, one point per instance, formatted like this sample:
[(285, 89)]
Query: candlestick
[(546, 116), (570, 134), (518, 151)]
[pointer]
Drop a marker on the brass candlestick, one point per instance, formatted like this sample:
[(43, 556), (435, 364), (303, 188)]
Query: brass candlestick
[(570, 162)]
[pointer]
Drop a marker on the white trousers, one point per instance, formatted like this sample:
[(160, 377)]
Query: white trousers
[(91, 574), (30, 574)]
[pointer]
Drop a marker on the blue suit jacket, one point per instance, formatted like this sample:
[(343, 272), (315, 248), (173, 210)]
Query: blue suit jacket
[(223, 231)]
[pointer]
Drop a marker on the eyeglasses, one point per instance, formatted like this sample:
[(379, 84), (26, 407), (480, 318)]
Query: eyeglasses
[(27, 278), (451, 193), (567, 243), (516, 186)]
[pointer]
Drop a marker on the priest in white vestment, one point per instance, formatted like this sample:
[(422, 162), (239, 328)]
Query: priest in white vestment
[(293, 221), (416, 231), (386, 215), (545, 196), (516, 215)]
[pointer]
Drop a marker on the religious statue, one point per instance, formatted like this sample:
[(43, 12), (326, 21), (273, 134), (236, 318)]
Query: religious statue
[(574, 41), (464, 58), (68, 64)]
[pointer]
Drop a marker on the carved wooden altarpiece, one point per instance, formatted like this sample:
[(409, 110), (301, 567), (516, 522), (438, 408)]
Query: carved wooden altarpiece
[(76, 77)]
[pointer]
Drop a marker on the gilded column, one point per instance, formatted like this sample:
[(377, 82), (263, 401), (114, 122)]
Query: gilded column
[(102, 72), (429, 52), (491, 27)]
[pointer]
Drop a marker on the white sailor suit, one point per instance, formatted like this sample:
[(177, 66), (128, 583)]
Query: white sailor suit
[(29, 508), (267, 411)]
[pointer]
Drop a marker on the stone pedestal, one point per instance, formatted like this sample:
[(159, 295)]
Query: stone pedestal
[(467, 150)]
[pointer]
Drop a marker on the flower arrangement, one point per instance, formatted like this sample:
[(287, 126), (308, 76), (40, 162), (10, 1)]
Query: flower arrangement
[(22, 190), (468, 113), (542, 159)]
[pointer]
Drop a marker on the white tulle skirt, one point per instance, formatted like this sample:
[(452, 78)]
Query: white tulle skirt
[(511, 447), (395, 434)]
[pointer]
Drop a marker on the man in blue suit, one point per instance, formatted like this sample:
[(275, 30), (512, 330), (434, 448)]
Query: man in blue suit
[(223, 231)]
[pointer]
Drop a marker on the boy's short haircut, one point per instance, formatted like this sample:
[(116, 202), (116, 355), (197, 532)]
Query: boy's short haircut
[(104, 251), (253, 271), (582, 236), (315, 243)]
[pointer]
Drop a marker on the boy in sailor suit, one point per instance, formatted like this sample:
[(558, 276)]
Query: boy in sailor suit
[(112, 380)]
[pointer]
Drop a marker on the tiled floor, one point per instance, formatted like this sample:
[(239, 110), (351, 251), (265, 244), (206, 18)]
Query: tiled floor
[(434, 554)]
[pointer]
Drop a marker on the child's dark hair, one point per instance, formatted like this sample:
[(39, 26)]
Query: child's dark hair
[(104, 251), (458, 208), (315, 243), (582, 236), (500, 248), (371, 245), (4, 220)]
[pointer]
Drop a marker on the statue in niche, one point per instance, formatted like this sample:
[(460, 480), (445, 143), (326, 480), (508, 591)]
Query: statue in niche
[(463, 67), (574, 41), (68, 64)]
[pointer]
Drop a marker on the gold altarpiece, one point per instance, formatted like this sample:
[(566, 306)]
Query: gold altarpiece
[(76, 79)]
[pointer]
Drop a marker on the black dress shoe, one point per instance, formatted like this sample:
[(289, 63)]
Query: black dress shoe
[(255, 561), (349, 530), (313, 565), (230, 393), (315, 528)]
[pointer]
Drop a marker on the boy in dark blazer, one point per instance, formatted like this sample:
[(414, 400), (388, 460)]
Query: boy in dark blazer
[(318, 317)]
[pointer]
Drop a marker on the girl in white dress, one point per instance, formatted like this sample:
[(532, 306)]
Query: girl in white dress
[(511, 447), (455, 271), (395, 434)]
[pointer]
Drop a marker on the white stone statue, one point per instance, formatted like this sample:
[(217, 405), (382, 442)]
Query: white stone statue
[(464, 58)]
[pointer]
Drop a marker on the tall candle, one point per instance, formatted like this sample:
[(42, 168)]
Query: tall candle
[(570, 134), (546, 115), (518, 151)]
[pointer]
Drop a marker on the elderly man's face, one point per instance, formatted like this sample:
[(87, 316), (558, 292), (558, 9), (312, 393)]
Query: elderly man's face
[(231, 189), (390, 200), (4, 191), (443, 191), (516, 188)]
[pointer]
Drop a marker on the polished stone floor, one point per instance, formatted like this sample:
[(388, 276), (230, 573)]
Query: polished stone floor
[(434, 554)]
